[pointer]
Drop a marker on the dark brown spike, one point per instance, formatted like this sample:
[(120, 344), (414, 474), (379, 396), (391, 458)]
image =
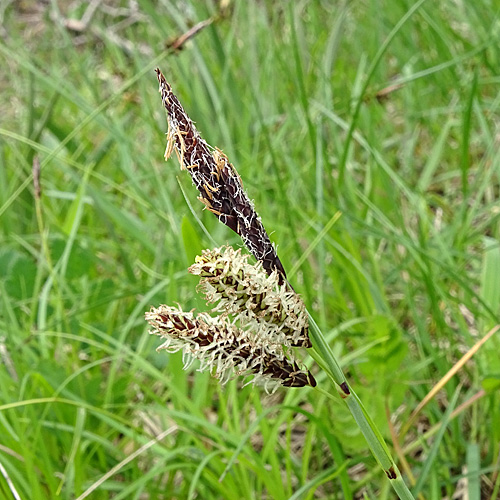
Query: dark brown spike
[(211, 172)]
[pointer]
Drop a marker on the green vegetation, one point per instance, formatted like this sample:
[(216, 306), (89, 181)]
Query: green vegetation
[(367, 135)]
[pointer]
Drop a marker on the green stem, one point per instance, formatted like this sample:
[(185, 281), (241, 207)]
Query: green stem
[(365, 423)]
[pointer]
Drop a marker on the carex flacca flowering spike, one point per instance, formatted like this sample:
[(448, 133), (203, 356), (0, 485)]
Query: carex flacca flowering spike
[(220, 186), (238, 287), (257, 316), (225, 349)]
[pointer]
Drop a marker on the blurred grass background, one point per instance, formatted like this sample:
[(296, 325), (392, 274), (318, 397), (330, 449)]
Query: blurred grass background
[(326, 109)]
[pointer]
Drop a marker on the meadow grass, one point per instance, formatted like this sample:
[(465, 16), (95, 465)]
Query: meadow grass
[(384, 205)]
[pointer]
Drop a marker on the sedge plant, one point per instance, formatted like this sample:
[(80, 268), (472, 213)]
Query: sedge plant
[(258, 321)]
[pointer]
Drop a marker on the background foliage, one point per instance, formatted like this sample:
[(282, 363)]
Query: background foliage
[(404, 147)]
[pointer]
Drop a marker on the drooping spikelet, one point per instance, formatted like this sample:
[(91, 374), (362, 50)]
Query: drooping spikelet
[(269, 309), (219, 184), (225, 349)]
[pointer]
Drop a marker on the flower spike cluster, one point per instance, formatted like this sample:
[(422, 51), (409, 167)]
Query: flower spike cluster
[(258, 322), (259, 318), (220, 187)]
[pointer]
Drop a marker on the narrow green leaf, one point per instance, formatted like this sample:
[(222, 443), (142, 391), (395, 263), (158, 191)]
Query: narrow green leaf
[(431, 458), (123, 219), (490, 272), (434, 158), (191, 240), (473, 472)]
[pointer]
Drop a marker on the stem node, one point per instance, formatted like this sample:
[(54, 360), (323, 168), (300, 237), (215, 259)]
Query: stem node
[(391, 473)]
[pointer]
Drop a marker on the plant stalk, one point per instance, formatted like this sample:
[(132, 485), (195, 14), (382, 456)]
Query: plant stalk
[(365, 423)]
